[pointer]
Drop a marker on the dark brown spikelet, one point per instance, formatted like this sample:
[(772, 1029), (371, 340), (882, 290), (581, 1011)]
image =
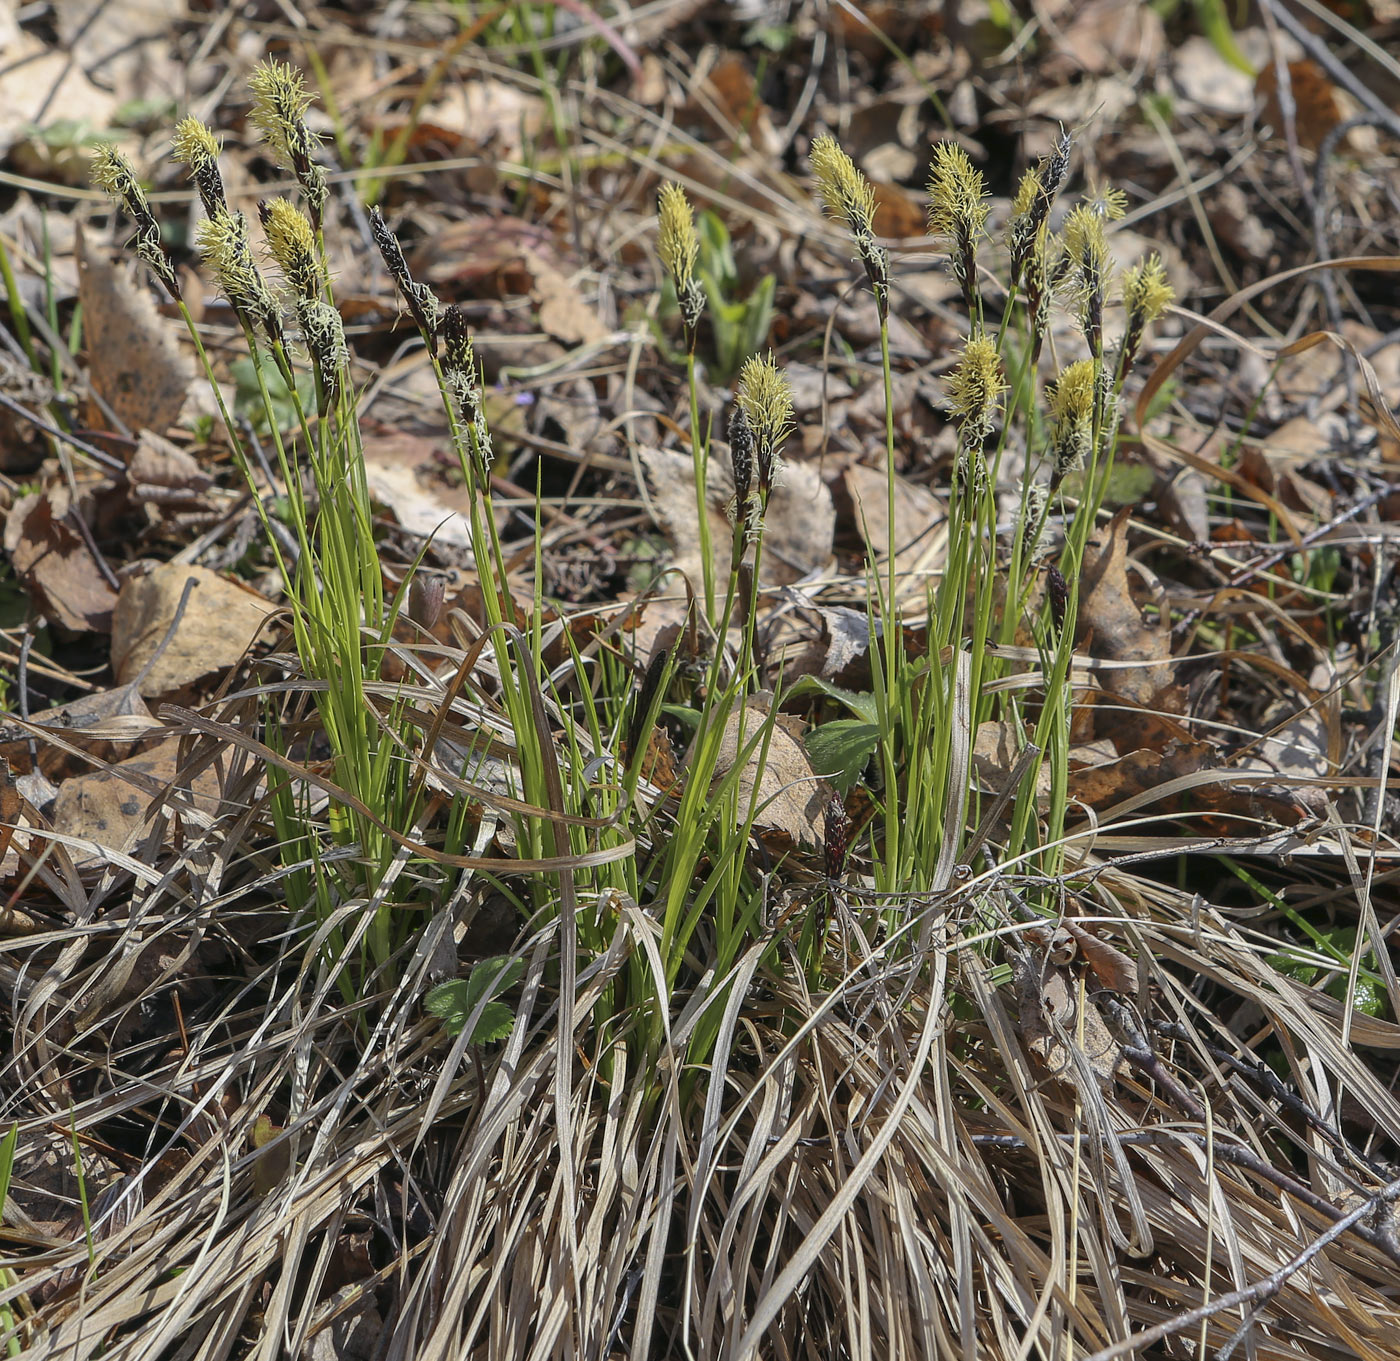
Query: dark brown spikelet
[(456, 340), (838, 829), (1057, 588), (742, 448), (420, 300)]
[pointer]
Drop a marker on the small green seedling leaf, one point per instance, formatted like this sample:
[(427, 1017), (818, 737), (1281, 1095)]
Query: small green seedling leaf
[(453, 1002), (840, 749)]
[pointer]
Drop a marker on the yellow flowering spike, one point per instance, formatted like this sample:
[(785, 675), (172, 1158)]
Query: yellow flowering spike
[(976, 384), (765, 398), (195, 143), (676, 241), (222, 241), (1072, 410), (1085, 242), (957, 212), (957, 194), (1026, 193), (848, 195), (291, 241), (1146, 292), (280, 102), (112, 173), (1073, 397)]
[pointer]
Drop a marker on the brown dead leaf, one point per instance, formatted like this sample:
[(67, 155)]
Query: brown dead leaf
[(108, 725), (1048, 1004), (799, 529), (1112, 626), (564, 312), (918, 519), (481, 256), (408, 473), (56, 565), (791, 798), (220, 621), (160, 471), (1314, 101), (134, 360), (1110, 966), (1274, 471), (110, 806)]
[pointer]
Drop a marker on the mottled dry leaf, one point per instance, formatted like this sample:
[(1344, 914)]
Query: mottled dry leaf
[(1110, 966), (134, 358), (56, 566), (160, 470), (791, 797), (1048, 1009), (995, 751), (220, 620), (110, 806), (564, 312)]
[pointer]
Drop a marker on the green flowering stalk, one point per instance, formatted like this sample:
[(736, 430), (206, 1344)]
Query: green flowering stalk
[(280, 102), (679, 249), (195, 146), (850, 198), (975, 390), (957, 214), (463, 378), (112, 173), (420, 300), (222, 241), (1072, 398)]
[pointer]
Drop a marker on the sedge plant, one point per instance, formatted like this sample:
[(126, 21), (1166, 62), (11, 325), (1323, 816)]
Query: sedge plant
[(342, 619), (994, 583)]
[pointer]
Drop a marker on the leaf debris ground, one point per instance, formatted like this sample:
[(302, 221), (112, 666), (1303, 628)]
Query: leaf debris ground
[(1045, 1155)]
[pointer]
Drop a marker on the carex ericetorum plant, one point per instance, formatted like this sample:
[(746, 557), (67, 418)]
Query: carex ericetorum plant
[(1008, 393), (1062, 424), (332, 577)]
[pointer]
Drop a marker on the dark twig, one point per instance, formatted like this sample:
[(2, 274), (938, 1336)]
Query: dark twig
[(91, 450)]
